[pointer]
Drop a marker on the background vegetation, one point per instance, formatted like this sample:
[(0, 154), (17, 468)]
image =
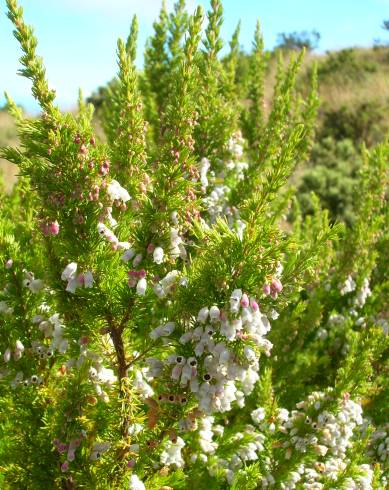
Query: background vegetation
[(353, 86)]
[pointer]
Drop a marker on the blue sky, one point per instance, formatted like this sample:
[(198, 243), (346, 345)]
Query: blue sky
[(77, 38)]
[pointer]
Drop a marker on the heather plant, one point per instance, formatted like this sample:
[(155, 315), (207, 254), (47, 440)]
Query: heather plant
[(160, 321)]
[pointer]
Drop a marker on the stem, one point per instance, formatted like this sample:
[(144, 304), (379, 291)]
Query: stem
[(117, 340), (115, 333)]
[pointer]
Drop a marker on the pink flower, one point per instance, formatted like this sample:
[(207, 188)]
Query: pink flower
[(254, 305), (266, 289), (104, 169), (245, 300), (54, 227), (64, 466), (62, 447), (276, 285), (150, 248)]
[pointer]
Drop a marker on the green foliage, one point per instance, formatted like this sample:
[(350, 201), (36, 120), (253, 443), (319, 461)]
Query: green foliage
[(134, 353), (345, 66), (332, 175), (365, 122)]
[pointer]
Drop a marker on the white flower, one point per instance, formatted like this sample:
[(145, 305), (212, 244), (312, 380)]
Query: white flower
[(7, 355), (98, 449), (34, 285), (171, 455), (69, 272), (214, 313), (88, 279), (258, 415), (320, 449), (205, 165), (203, 315), (72, 285), (348, 286), (117, 192), (235, 300), (123, 246), (128, 255), (19, 346), (135, 483), (107, 233), (158, 255), (106, 376), (141, 287)]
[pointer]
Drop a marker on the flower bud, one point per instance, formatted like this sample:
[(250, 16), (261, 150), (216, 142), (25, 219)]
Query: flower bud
[(141, 287), (8, 264), (158, 255)]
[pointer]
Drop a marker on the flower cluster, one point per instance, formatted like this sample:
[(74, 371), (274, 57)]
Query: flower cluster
[(312, 429), (224, 347), (74, 280)]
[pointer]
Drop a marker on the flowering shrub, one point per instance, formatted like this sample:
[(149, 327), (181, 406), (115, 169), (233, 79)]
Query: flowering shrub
[(160, 321)]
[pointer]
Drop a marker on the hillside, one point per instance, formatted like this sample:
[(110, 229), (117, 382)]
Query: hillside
[(353, 89)]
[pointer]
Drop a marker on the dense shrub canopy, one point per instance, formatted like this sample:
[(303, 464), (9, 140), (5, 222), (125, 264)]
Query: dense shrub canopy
[(162, 325)]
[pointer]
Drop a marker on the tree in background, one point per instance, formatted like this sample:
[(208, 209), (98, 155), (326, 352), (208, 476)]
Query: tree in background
[(308, 40)]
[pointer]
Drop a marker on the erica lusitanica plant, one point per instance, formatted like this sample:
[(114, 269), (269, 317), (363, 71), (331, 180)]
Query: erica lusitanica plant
[(168, 319)]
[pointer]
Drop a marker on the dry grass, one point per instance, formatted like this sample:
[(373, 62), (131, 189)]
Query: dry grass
[(335, 91), (8, 136)]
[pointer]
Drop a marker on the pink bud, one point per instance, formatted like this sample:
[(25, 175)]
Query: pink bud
[(83, 340), (132, 282), (83, 149), (266, 289), (141, 273), (276, 285), (64, 467), (54, 227), (81, 279), (8, 264), (131, 463), (92, 140), (254, 305), (62, 447), (245, 300), (150, 248)]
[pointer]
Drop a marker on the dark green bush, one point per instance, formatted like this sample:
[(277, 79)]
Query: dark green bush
[(331, 175), (364, 122), (345, 64)]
